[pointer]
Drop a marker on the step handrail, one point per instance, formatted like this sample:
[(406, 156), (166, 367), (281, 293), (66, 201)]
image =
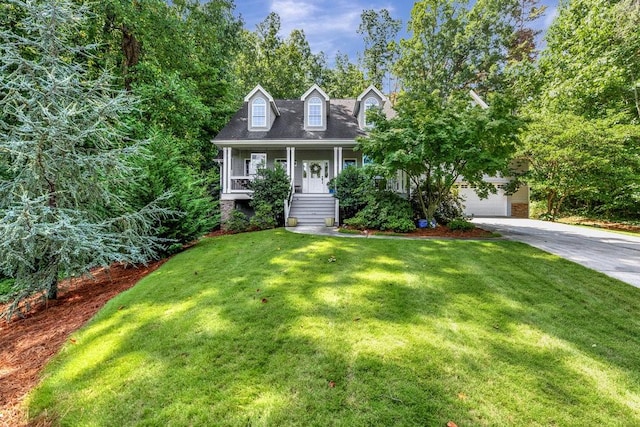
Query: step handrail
[(287, 204)]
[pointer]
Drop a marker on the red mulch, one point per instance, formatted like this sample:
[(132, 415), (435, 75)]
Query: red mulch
[(616, 226), (28, 343), (440, 231), (444, 231)]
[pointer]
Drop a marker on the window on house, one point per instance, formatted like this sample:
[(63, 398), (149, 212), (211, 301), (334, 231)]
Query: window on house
[(369, 103), (314, 114), (259, 113), (347, 163), (258, 161), (281, 162)]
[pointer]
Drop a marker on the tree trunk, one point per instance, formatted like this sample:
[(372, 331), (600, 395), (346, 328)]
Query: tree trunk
[(131, 49), (52, 290)]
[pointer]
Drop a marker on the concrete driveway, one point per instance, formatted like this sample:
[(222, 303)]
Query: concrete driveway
[(616, 255)]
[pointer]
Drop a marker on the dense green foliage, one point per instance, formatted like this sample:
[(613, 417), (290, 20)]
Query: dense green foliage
[(364, 205), (460, 224), (584, 141), (437, 135), (178, 60), (63, 146), (238, 222), (379, 31), (352, 187), (271, 187), (384, 210), (285, 68), (393, 332), (450, 206)]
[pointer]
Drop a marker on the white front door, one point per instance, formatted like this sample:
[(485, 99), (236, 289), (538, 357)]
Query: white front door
[(315, 176)]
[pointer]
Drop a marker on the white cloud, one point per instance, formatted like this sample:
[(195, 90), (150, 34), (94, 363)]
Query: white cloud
[(330, 26), (550, 15)]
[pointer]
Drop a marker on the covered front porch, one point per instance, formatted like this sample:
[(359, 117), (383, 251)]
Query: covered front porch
[(309, 169)]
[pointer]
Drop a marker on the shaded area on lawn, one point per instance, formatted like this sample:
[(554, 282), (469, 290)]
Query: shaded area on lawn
[(253, 329), (28, 343)]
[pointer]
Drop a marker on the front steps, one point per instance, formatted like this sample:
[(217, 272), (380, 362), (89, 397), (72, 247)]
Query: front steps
[(312, 209)]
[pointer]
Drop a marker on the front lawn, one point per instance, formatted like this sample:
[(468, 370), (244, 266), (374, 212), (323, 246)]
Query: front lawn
[(275, 328)]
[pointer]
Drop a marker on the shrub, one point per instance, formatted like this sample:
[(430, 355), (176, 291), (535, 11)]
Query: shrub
[(271, 187), (237, 223), (450, 208), (177, 187), (461, 224), (352, 187), (385, 210), (264, 217)]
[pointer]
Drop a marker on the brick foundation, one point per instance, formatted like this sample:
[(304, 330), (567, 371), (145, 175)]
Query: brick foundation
[(226, 209), (520, 210)]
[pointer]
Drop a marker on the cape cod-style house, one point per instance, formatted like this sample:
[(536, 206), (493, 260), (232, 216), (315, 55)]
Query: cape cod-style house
[(313, 139)]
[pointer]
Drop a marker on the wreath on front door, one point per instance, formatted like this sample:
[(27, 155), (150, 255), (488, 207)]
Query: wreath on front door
[(316, 169)]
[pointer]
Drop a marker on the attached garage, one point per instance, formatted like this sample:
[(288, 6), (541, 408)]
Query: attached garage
[(494, 205)]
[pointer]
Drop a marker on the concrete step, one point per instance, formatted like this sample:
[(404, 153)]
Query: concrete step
[(312, 209)]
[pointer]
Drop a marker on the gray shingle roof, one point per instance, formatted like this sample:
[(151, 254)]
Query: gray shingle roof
[(341, 124)]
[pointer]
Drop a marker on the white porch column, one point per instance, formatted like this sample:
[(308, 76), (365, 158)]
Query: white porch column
[(340, 161), (336, 159), (289, 162), (225, 171), (292, 163)]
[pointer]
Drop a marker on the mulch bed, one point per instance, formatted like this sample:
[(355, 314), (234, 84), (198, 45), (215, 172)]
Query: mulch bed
[(615, 226), (28, 343), (439, 232)]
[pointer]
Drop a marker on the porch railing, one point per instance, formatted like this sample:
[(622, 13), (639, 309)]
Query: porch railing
[(240, 184), (287, 203)]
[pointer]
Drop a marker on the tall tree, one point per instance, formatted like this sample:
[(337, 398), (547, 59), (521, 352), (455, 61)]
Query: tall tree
[(589, 78), (65, 154), (438, 135), (284, 67), (345, 79), (379, 31), (183, 74)]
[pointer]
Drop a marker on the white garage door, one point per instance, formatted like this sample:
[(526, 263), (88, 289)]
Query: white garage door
[(494, 205)]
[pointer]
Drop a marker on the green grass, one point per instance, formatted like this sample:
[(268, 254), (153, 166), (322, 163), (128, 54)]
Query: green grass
[(5, 288), (482, 333)]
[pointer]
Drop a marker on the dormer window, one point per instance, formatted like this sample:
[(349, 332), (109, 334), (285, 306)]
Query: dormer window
[(259, 113), (370, 103), (314, 114)]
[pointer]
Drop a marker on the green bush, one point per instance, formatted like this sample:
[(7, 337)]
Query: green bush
[(179, 188), (264, 217), (385, 210), (461, 224), (353, 188), (450, 208), (271, 187), (237, 223)]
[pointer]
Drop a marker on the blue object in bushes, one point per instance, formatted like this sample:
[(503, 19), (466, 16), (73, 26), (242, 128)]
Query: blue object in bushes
[(423, 223)]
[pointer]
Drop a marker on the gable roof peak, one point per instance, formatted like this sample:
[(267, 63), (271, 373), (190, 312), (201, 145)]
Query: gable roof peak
[(262, 90), (315, 87), (257, 89), (375, 90)]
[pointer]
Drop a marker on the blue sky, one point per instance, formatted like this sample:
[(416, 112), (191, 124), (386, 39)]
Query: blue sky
[(330, 26)]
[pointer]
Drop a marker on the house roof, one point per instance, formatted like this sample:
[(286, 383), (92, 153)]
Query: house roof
[(316, 88), (341, 124), (260, 89)]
